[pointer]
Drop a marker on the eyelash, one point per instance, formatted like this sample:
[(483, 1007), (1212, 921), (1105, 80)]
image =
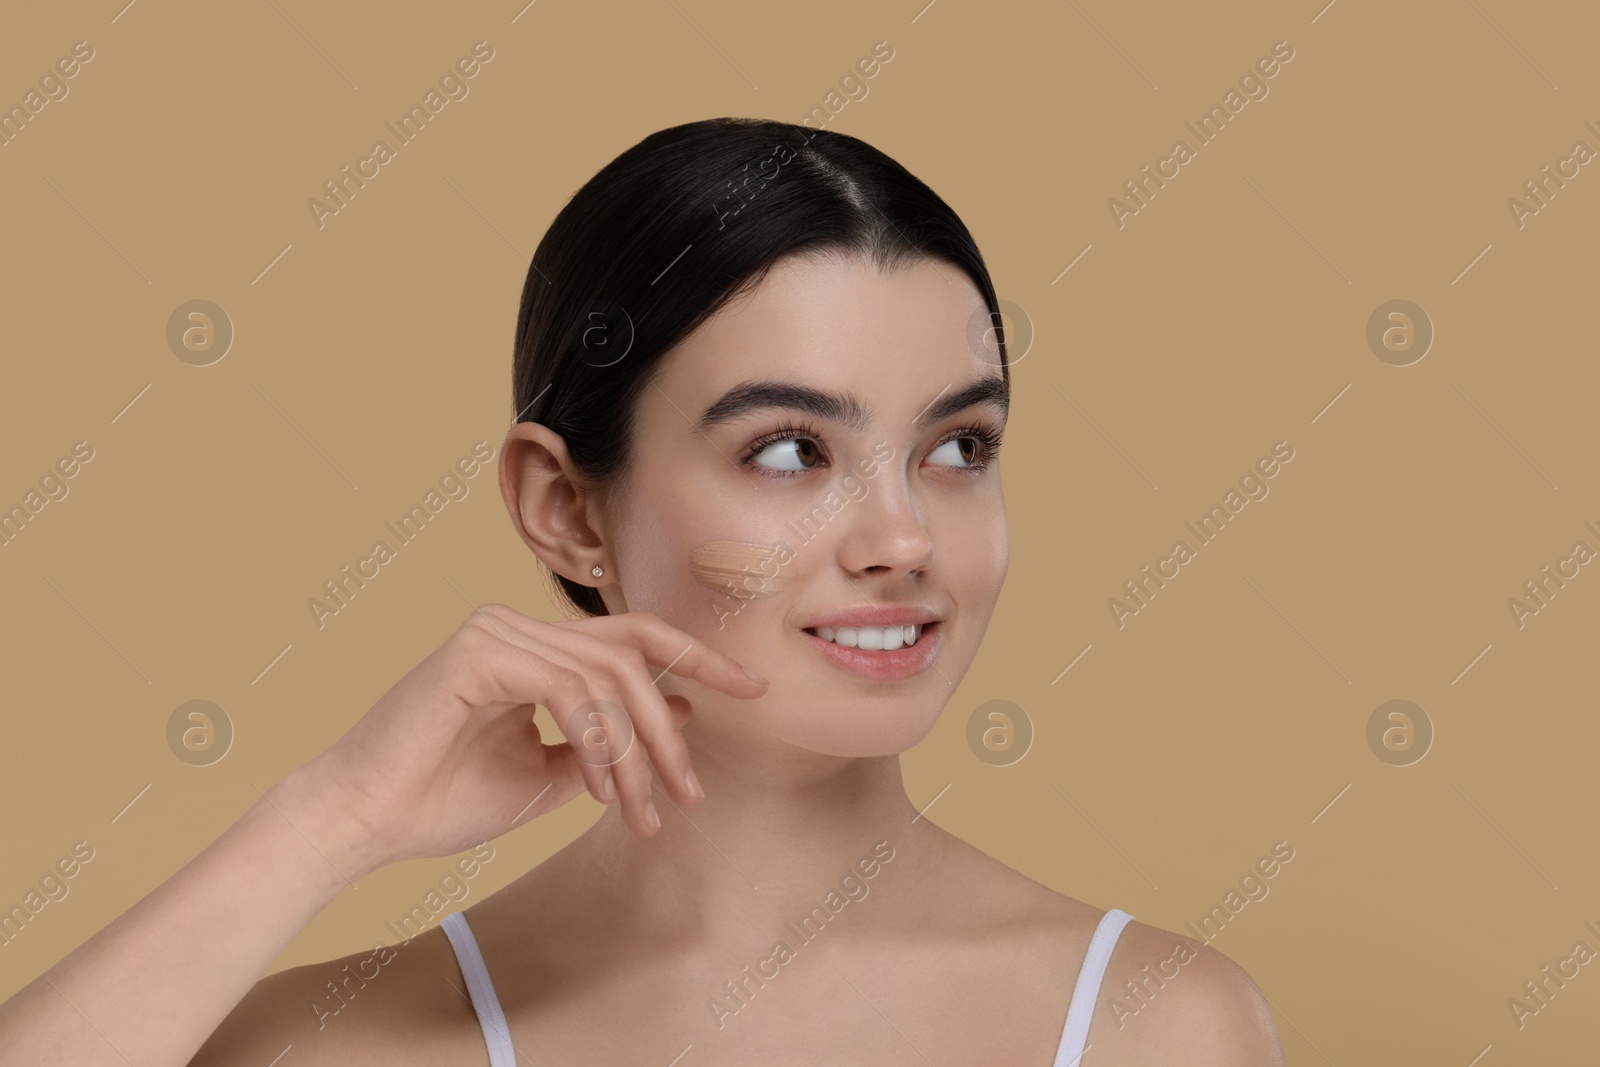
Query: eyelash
[(987, 435)]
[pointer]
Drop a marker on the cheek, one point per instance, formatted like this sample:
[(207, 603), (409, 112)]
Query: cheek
[(701, 572), (997, 534), (741, 581), (649, 545), (742, 570), (1003, 544), (974, 547)]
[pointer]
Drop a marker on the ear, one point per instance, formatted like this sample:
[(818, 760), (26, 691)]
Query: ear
[(550, 509)]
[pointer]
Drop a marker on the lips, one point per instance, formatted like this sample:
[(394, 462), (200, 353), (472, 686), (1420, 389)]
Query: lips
[(875, 615), (882, 666), (871, 638)]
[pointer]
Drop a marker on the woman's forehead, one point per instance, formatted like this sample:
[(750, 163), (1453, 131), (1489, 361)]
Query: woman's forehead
[(837, 325)]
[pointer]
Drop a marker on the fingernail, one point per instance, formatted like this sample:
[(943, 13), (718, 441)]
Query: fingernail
[(608, 787), (754, 677), (651, 816), (693, 783)]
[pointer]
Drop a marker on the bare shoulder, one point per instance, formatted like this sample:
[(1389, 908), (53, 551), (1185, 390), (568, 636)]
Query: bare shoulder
[(1167, 998), (402, 1004)]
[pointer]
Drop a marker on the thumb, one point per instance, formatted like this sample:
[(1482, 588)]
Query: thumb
[(563, 777), (680, 708)]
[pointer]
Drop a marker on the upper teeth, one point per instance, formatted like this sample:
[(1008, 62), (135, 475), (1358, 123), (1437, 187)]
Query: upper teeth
[(872, 638)]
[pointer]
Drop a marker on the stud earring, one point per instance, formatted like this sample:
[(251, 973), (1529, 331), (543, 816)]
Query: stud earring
[(598, 570)]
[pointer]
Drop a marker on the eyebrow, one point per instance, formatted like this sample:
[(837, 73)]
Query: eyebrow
[(845, 408)]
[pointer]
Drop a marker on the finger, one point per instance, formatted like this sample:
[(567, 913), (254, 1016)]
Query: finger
[(653, 720), (493, 669), (606, 735), (664, 646), (565, 780), (602, 734), (548, 775), (688, 657), (639, 748), (614, 733), (681, 710), (635, 788), (598, 722)]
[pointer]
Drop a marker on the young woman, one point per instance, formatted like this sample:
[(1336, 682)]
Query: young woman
[(759, 401)]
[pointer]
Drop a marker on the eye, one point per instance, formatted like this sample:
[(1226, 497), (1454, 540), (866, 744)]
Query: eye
[(970, 448), (788, 449), (963, 448)]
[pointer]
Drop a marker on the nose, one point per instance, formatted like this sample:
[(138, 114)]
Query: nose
[(886, 533)]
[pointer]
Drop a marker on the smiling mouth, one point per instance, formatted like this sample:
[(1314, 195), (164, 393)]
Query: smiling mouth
[(873, 638)]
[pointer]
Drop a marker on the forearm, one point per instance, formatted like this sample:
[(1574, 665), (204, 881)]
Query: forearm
[(151, 986)]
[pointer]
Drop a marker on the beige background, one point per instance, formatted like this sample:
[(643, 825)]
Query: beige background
[(1230, 313)]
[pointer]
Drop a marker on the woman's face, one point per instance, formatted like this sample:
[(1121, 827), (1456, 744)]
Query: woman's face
[(843, 485)]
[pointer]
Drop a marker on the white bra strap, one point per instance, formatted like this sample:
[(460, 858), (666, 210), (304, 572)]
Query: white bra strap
[(1081, 1010), (496, 1035)]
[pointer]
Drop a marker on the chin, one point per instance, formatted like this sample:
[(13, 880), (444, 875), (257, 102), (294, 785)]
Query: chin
[(857, 729), (822, 704)]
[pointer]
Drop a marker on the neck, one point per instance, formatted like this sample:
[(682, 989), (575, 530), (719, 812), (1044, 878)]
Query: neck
[(780, 832)]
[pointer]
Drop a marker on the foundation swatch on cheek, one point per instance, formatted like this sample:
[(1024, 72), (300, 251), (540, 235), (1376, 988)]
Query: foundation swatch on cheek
[(742, 569)]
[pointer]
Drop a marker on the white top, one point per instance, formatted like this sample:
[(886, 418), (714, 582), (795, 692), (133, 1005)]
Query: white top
[(1073, 1035)]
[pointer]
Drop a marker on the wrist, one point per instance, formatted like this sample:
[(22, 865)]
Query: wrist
[(300, 806)]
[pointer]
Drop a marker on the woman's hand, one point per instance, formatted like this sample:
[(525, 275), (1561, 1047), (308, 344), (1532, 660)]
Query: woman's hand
[(450, 756)]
